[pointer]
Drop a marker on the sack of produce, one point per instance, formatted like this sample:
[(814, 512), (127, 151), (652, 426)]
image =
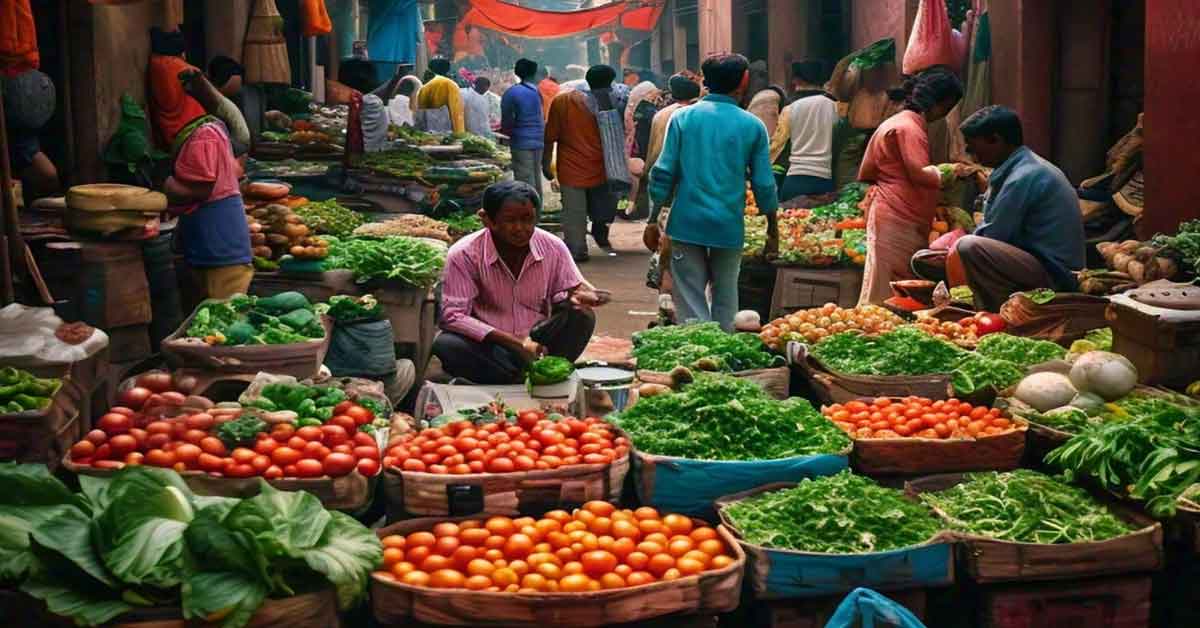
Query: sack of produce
[(706, 347), (119, 547), (640, 565), (362, 344), (244, 334), (36, 336), (832, 534), (721, 435), (916, 435), (1023, 525), (488, 464)]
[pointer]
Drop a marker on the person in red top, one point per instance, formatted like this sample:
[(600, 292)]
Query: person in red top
[(510, 294), (897, 162)]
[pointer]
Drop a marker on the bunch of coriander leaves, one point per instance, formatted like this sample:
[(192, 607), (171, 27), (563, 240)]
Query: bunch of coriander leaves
[(701, 345)]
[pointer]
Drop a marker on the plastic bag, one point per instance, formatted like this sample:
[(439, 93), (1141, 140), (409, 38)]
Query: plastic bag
[(27, 338), (867, 609), (364, 349), (931, 42), (316, 18)]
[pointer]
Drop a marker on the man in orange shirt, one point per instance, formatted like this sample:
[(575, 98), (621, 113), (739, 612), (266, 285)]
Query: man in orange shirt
[(585, 193)]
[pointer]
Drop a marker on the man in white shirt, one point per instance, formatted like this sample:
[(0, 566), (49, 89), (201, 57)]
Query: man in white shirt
[(807, 126), (476, 108)]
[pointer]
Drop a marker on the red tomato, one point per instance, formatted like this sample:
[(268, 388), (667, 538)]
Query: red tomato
[(284, 456), (310, 433), (135, 397), (160, 458), (371, 453), (195, 436), (187, 453), (134, 458), (412, 464), (362, 440), (342, 407), (282, 432), (266, 446), (261, 464), (140, 435), (242, 455), (334, 435), (122, 445), (123, 410), (108, 464), (297, 443), (83, 449), (273, 472), (345, 422), (238, 470), (158, 427), (113, 423), (308, 468), (368, 467), (361, 415), (528, 419), (289, 471), (313, 450), (210, 463), (202, 421), (344, 448), (157, 441), (337, 464), (523, 463)]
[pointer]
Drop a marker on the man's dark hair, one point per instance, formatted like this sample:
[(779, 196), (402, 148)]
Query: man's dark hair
[(683, 88), (358, 74), (994, 120), (930, 87), (221, 69), (811, 71), (482, 84), (497, 194), (440, 66), (600, 76), (525, 69), (723, 72)]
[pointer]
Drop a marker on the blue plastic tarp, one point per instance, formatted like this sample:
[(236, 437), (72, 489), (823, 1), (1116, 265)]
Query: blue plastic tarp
[(691, 486), (799, 574), (864, 608)]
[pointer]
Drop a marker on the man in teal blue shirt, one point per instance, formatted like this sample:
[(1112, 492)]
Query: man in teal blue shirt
[(712, 148)]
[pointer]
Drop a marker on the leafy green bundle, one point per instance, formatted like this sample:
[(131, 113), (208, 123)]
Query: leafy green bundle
[(839, 514), (550, 370), (412, 261), (704, 346), (462, 222), (1184, 245), (330, 218), (1027, 507), (903, 351), (285, 318), (346, 309), (142, 538), (1023, 352), (724, 418), (976, 372)]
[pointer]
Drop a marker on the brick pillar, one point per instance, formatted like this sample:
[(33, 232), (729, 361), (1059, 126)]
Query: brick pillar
[(716, 26)]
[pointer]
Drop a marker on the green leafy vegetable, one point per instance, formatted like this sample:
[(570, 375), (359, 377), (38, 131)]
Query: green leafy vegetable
[(1041, 296), (412, 261), (839, 514), (976, 372), (1183, 246), (724, 418), (903, 351), (240, 432), (550, 370), (344, 308), (1027, 507), (701, 345), (1024, 352), (248, 320), (462, 222), (330, 218), (875, 55)]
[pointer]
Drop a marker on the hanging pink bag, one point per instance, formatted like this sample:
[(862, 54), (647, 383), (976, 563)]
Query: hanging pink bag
[(932, 41)]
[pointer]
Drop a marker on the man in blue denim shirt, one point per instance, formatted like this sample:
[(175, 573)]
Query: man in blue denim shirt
[(712, 148), (521, 120)]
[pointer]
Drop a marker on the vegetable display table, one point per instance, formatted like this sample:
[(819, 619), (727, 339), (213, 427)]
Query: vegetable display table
[(802, 288)]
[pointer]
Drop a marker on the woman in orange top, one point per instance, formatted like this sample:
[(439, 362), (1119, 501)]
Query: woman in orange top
[(906, 184)]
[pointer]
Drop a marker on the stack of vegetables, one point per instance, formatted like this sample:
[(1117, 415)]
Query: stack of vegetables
[(307, 406), (330, 218), (966, 332), (725, 418), (1141, 261), (1183, 247), (560, 552), (412, 261), (533, 441), (1025, 506), (812, 325), (818, 237), (703, 346), (285, 318), (462, 223), (838, 514), (918, 417), (143, 539), (161, 427), (412, 225), (20, 391), (277, 230)]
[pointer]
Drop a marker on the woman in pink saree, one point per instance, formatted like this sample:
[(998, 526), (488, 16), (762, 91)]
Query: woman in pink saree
[(906, 185)]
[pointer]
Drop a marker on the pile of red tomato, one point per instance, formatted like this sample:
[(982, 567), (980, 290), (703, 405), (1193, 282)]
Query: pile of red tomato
[(595, 547), (189, 443), (534, 442), (918, 417)]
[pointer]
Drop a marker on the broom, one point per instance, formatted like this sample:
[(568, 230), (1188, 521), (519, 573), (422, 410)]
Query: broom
[(265, 55)]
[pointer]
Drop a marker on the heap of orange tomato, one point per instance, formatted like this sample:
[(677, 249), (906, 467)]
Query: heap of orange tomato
[(534, 442), (595, 547), (917, 417)]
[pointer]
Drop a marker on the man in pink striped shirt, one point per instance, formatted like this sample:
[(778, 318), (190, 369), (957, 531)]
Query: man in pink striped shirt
[(510, 294)]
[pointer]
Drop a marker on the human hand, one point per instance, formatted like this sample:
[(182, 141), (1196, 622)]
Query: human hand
[(652, 237), (587, 298), (530, 350), (771, 248)]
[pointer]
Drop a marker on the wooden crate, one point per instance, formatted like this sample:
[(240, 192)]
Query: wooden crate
[(103, 284), (803, 288), (1165, 352), (1122, 602), (815, 612)]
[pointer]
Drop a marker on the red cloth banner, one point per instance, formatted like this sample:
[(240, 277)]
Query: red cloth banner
[(637, 15)]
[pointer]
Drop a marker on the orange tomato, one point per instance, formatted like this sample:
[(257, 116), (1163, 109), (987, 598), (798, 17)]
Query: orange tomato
[(392, 555), (597, 563), (645, 512), (504, 577), (660, 563), (600, 525), (599, 508), (679, 546), (436, 562), (672, 574), (551, 571), (574, 583), (712, 547), (416, 578), (535, 581), (721, 562), (393, 540), (446, 545), (519, 566), (704, 533), (622, 547), (650, 526), (543, 557), (572, 568), (637, 560), (421, 539), (698, 556), (480, 567), (473, 536), (689, 566), (477, 583), (401, 568), (561, 516), (417, 555), (518, 546), (638, 578), (446, 579), (650, 548), (611, 581), (445, 528), (501, 526)]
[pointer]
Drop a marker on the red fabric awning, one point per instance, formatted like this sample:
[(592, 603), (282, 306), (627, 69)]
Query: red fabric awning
[(640, 15)]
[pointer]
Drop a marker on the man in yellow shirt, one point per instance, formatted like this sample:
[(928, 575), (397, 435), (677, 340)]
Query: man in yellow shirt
[(442, 91)]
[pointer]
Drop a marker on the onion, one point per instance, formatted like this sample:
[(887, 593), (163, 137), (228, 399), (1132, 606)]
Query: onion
[(186, 384), (1109, 375), (1046, 391)]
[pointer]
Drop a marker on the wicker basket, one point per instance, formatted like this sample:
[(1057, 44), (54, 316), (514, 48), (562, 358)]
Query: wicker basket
[(707, 593), (265, 54)]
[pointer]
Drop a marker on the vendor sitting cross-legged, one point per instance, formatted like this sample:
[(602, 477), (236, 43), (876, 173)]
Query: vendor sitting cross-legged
[(510, 294)]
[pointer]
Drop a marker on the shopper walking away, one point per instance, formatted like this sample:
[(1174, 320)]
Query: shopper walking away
[(511, 294), (521, 120), (475, 107), (805, 132), (548, 88), (906, 184), (439, 99), (710, 147), (573, 129)]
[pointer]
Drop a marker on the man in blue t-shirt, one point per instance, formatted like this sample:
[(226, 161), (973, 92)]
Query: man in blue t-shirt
[(521, 120)]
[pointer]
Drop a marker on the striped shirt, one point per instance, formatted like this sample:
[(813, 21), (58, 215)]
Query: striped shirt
[(480, 294)]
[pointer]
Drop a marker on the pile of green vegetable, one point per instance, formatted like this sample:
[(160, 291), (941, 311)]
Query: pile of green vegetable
[(1095, 340), (462, 222), (839, 514), (1024, 352), (142, 539), (1026, 507), (402, 163), (20, 391), (704, 346), (330, 218), (474, 145), (846, 205), (410, 260), (719, 417), (1145, 447), (1183, 246), (313, 405), (285, 318), (346, 309), (549, 370), (999, 361)]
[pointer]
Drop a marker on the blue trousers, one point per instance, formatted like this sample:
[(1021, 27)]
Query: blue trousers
[(693, 269)]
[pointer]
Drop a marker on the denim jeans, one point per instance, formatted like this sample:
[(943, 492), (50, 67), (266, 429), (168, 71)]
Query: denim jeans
[(527, 167), (693, 269)]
